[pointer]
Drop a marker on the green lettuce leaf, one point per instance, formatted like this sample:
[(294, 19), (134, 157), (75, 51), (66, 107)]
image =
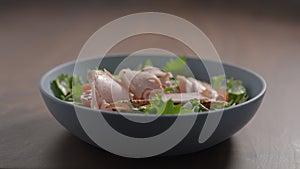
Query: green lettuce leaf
[(141, 66), (236, 90), (148, 63), (176, 66), (67, 88), (158, 106), (218, 82)]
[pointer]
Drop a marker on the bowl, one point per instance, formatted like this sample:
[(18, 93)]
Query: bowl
[(230, 120)]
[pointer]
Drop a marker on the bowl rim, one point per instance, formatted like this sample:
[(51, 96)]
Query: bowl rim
[(45, 75)]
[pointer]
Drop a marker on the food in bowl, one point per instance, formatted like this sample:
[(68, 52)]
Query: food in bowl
[(68, 113), (150, 89)]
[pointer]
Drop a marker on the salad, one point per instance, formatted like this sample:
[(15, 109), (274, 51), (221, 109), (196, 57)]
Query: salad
[(150, 90)]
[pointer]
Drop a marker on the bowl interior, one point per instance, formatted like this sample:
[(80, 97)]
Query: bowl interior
[(254, 84)]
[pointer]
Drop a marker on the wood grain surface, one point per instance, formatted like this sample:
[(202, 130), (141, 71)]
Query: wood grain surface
[(36, 36)]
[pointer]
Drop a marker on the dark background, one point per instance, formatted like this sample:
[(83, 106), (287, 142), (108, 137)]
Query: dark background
[(37, 35)]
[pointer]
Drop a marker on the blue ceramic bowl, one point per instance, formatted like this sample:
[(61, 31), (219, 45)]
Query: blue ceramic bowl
[(232, 119)]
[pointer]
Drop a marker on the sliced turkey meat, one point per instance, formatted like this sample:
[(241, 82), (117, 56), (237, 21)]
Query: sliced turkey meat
[(154, 70), (142, 84), (164, 77), (188, 85), (137, 88), (104, 89), (185, 86), (185, 97)]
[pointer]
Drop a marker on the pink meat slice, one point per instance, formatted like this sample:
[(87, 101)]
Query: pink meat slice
[(86, 97), (185, 86), (155, 70), (164, 77), (185, 97), (141, 84), (104, 89), (189, 85)]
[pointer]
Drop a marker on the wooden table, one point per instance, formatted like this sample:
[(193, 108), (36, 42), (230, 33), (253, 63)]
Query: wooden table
[(36, 36)]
